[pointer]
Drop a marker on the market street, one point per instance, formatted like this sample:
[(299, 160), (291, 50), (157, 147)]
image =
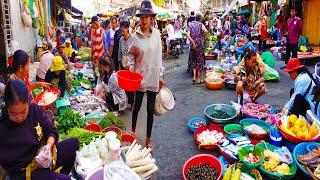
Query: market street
[(173, 143)]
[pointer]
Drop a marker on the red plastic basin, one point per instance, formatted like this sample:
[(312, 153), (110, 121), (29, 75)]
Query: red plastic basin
[(129, 81), (202, 158)]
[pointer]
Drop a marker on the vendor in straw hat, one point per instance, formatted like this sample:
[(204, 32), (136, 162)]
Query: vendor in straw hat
[(301, 96), (148, 61), (57, 72)]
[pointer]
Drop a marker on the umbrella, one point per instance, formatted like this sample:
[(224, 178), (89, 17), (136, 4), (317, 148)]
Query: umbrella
[(164, 15)]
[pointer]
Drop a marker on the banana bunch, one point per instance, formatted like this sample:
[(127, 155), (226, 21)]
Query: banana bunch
[(232, 173)]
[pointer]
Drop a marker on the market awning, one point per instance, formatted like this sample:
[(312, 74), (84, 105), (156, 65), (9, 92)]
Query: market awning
[(243, 12), (66, 4)]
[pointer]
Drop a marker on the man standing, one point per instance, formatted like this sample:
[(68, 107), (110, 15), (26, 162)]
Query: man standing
[(115, 49), (96, 43), (294, 25), (110, 34), (106, 27)]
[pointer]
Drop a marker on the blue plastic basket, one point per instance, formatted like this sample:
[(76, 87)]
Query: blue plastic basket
[(302, 149), (194, 128)]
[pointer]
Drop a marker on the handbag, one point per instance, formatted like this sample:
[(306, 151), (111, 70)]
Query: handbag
[(25, 15)]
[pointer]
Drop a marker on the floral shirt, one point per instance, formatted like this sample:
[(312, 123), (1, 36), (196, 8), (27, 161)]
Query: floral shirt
[(249, 78)]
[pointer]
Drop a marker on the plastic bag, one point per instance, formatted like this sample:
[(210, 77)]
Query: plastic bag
[(44, 157), (271, 74), (268, 59), (118, 170)]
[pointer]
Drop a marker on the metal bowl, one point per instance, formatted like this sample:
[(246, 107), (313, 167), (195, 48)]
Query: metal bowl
[(230, 84), (214, 107)]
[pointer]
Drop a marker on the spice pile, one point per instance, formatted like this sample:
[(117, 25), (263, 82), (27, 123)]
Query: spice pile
[(202, 171)]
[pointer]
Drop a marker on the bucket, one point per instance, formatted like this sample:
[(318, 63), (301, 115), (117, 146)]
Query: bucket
[(164, 101), (129, 81)]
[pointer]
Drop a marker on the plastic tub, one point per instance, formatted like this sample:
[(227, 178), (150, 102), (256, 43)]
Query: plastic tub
[(129, 81), (115, 129), (233, 127), (261, 123), (202, 158), (208, 111), (193, 128)]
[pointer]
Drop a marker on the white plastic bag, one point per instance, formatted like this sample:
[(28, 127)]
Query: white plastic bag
[(44, 157), (118, 170)]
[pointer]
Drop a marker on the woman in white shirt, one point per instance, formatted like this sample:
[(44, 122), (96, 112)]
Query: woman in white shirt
[(148, 61), (45, 63)]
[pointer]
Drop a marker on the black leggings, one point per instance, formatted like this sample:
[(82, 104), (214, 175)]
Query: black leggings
[(150, 109)]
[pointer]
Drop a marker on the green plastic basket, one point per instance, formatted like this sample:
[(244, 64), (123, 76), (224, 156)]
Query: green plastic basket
[(245, 150), (233, 127), (273, 175)]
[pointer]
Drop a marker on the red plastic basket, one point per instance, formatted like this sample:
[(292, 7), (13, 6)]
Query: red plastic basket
[(202, 159), (93, 127), (296, 140), (203, 128), (129, 81), (40, 96)]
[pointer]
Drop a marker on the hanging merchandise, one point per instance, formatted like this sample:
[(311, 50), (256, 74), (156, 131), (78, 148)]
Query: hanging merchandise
[(41, 17), (25, 15)]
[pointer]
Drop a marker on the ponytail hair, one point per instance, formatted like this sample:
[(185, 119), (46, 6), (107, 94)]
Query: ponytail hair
[(20, 58), (16, 91)]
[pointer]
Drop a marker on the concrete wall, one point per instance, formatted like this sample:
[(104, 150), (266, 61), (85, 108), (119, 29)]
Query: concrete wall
[(26, 37)]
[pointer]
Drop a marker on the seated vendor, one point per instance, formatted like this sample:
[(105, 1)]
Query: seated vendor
[(29, 140), (116, 97), (220, 44), (68, 48), (60, 52), (250, 78), (247, 44), (57, 73), (301, 96)]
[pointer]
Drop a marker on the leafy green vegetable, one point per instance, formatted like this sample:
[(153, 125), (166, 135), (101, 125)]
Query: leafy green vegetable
[(84, 136), (68, 120), (37, 91), (111, 119)]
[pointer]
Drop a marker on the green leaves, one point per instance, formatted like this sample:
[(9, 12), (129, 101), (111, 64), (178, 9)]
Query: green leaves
[(68, 120)]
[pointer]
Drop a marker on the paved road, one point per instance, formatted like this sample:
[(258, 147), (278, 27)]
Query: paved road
[(173, 143)]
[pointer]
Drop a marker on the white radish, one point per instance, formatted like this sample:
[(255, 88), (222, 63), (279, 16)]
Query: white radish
[(132, 145), (140, 163), (131, 148), (143, 168), (147, 152), (136, 157), (134, 150), (150, 172)]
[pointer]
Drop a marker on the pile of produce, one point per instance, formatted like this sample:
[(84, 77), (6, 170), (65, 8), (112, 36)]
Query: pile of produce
[(299, 127), (140, 161), (234, 172), (221, 114), (208, 137), (311, 162), (85, 54), (69, 119), (84, 136), (110, 119), (202, 171), (47, 98), (98, 152), (255, 110), (277, 162), (252, 158), (255, 129), (79, 82), (86, 104)]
